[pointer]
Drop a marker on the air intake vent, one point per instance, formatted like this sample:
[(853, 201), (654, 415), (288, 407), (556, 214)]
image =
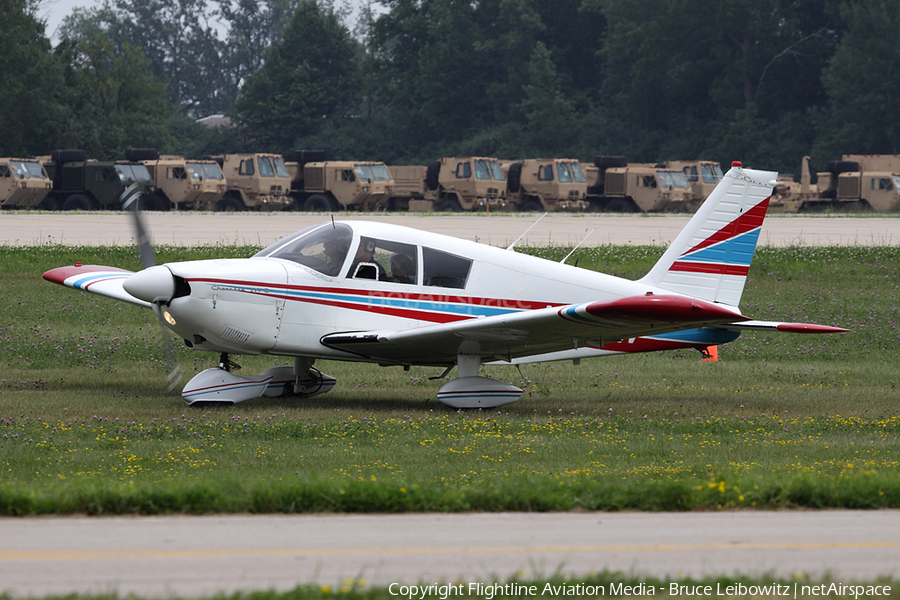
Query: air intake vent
[(233, 334), (615, 184)]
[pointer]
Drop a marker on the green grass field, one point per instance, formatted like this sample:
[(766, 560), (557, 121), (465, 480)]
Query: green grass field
[(87, 426)]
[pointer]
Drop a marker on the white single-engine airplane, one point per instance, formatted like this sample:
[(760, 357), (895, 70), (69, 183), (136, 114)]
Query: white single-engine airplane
[(391, 295)]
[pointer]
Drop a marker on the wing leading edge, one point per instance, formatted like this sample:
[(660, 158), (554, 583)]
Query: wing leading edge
[(536, 332), (97, 279)]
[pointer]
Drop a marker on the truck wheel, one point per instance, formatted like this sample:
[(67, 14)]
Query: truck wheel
[(610, 162), (78, 202), (155, 201), (842, 166), (139, 154), (230, 204), (514, 177), (622, 205), (532, 206), (49, 203), (432, 174), (449, 206), (66, 156), (319, 203)]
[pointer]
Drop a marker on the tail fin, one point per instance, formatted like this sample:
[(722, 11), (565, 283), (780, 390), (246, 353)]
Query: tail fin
[(711, 256)]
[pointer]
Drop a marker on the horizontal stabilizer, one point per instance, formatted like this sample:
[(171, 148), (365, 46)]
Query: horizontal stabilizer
[(783, 327)]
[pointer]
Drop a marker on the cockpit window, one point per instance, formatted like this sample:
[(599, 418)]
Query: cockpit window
[(445, 270), (322, 248)]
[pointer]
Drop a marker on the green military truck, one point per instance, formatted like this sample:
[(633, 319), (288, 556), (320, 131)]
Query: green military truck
[(322, 185), (614, 185), (545, 184), (184, 184), (254, 181), (82, 184), (23, 183)]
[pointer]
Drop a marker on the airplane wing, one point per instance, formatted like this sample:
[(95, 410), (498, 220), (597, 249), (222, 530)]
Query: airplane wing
[(533, 332), (105, 281)]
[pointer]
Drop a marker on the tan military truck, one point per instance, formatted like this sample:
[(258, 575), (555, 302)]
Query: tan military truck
[(254, 181), (856, 182), (702, 175), (24, 184), (184, 184), (465, 183), (320, 185), (409, 189), (863, 182), (545, 184), (616, 186)]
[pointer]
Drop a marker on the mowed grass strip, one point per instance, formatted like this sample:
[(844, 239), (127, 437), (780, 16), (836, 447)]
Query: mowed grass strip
[(86, 425)]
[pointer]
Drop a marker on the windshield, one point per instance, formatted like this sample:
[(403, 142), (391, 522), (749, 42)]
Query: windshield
[(672, 179), (322, 247), (577, 173), (27, 169), (563, 173), (496, 171), (372, 172), (131, 173), (265, 166), (280, 169), (481, 170), (205, 170), (709, 175)]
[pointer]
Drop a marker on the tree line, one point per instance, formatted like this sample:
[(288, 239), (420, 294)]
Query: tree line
[(761, 81)]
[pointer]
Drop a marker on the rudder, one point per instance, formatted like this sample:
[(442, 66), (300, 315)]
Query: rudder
[(711, 256)]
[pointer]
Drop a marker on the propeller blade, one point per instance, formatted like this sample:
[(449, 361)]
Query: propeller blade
[(151, 282)]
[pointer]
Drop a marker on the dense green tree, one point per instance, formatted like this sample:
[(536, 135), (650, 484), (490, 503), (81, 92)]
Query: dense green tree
[(30, 100), (863, 84), (308, 78)]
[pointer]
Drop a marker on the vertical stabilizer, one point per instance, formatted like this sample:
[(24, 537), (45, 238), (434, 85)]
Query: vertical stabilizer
[(711, 256)]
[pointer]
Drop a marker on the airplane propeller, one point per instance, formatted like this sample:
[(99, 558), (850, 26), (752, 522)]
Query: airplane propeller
[(153, 284)]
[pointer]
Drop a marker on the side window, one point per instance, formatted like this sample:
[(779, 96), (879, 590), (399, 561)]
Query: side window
[(386, 261), (445, 270), (346, 175), (247, 167), (4, 171), (177, 173), (647, 181), (545, 173), (463, 170)]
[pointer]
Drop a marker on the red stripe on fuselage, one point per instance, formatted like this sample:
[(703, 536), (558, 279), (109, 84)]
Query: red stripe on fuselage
[(686, 266)]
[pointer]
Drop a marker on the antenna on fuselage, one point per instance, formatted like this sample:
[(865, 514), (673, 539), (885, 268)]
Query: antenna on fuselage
[(526, 231), (583, 240), (332, 222)]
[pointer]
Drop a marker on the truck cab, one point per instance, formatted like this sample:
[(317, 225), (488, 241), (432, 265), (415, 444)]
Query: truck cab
[(23, 183), (185, 184), (324, 186), (465, 183), (254, 181), (545, 184)]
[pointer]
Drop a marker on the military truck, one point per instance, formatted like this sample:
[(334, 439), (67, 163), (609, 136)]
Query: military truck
[(184, 184), (320, 185), (702, 175), (409, 189), (254, 181), (82, 184), (856, 182), (23, 183), (545, 184), (614, 185)]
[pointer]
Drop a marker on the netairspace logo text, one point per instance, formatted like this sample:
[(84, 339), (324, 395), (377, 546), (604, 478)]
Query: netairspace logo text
[(490, 591)]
